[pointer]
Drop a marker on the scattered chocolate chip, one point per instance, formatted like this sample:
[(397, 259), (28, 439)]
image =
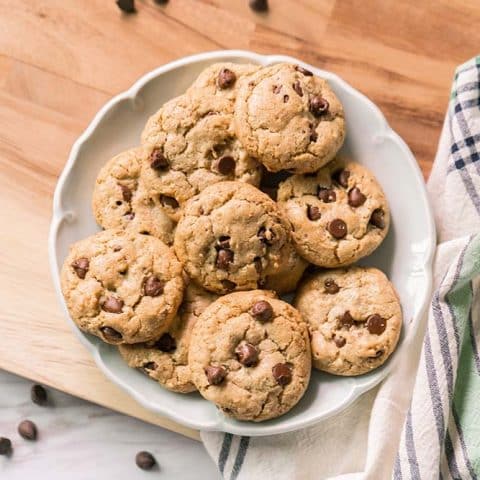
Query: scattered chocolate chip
[(346, 320), (145, 460), (331, 286), (276, 88), (225, 165), (318, 105), (226, 78), (356, 198), (153, 286), (5, 446), (224, 258), (81, 265), (167, 201), (166, 343), (130, 215), (266, 236), (377, 219), (313, 213), (262, 311), (38, 395), (341, 177), (258, 5), (149, 366), (111, 334), (118, 202), (376, 324), (338, 228), (158, 161), (282, 372), (112, 305), (339, 341), (298, 89), (327, 195), (27, 430), (215, 375), (228, 285), (286, 98), (247, 354), (126, 193), (306, 72), (127, 6)]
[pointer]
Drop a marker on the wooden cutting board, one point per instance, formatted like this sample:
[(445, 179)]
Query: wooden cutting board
[(61, 60)]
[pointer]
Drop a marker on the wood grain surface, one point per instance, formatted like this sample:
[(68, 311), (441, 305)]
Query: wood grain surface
[(61, 60)]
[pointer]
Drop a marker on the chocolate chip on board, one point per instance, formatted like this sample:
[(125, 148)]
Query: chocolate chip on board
[(127, 6), (258, 5), (145, 460), (38, 395), (28, 430), (5, 446)]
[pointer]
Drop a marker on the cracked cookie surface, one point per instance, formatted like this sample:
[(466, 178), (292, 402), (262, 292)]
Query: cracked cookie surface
[(166, 360), (233, 237), (338, 215), (250, 355), (121, 286), (354, 317), (120, 199), (194, 146), (289, 119)]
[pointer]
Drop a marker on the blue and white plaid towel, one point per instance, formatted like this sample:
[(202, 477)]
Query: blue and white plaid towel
[(423, 422)]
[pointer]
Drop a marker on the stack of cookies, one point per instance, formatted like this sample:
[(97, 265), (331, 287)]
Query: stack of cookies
[(235, 190)]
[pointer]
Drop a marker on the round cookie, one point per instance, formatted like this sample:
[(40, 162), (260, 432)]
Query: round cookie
[(194, 146), (339, 214), (250, 355), (166, 360), (121, 286), (233, 237), (354, 317), (120, 200), (289, 119)]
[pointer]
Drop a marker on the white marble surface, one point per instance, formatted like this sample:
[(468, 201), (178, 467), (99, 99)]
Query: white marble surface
[(82, 441)]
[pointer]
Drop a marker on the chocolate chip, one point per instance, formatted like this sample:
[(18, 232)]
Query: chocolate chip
[(282, 372), (224, 258), (286, 98), (331, 286), (306, 72), (258, 5), (111, 334), (38, 395), (228, 285), (318, 105), (112, 305), (339, 341), (377, 219), (81, 265), (247, 354), (145, 460), (338, 228), (130, 215), (266, 236), (166, 343), (167, 201), (356, 197), (224, 241), (327, 195), (225, 165), (127, 6), (5, 446), (27, 430), (313, 212), (149, 366), (215, 375), (376, 324), (126, 193), (262, 311), (341, 177), (276, 88), (158, 161), (346, 320), (298, 89), (153, 286), (226, 78)]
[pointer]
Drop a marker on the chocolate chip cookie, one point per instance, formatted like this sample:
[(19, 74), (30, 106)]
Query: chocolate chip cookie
[(194, 146), (233, 237), (250, 355), (166, 360), (289, 119), (339, 214), (354, 317), (120, 199), (122, 286)]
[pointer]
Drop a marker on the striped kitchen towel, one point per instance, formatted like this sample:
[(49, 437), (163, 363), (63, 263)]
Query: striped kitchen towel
[(423, 422)]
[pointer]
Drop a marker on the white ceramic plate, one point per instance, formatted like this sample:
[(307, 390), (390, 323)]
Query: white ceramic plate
[(405, 256)]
